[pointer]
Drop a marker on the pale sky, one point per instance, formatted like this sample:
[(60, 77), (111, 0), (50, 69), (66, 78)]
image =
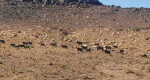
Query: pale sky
[(127, 3)]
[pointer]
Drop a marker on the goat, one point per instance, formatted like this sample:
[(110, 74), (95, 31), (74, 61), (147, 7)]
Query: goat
[(53, 44), (78, 42), (42, 44), (121, 51), (21, 45), (107, 47), (89, 50), (100, 48), (79, 49), (27, 43), (14, 45), (64, 46), (26, 47), (107, 52), (115, 46), (2, 41)]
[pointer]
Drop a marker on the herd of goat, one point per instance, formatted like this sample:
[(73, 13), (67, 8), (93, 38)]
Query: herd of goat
[(82, 48)]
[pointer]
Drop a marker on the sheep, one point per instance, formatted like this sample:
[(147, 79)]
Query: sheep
[(84, 46), (78, 42)]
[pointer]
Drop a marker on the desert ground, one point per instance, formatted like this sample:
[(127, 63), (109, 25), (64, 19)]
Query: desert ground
[(54, 42)]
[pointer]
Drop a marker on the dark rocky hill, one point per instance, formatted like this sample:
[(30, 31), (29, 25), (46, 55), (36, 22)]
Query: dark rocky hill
[(56, 2)]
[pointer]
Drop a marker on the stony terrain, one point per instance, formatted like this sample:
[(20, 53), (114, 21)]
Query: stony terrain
[(74, 42)]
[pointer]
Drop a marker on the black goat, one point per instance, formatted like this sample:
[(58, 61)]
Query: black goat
[(53, 44), (42, 44), (100, 48), (21, 45), (2, 41), (79, 49), (107, 47), (78, 42), (89, 50), (121, 51), (64, 46), (107, 52), (13, 45), (115, 46), (27, 43)]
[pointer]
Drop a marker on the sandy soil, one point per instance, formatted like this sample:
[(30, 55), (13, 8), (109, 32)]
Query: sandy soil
[(43, 61)]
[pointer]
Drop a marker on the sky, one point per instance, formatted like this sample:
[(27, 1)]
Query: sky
[(127, 3)]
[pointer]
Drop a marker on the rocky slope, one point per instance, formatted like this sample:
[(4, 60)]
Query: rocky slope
[(75, 15)]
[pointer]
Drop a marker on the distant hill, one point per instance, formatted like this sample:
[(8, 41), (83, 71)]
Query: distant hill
[(57, 2)]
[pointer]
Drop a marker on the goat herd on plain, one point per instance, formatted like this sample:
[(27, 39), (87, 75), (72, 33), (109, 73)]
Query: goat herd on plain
[(83, 47)]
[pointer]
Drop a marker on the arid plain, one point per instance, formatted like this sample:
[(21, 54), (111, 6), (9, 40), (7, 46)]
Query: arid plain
[(74, 42)]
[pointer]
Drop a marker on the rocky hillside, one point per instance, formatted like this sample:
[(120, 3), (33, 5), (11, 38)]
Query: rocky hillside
[(63, 13), (57, 2)]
